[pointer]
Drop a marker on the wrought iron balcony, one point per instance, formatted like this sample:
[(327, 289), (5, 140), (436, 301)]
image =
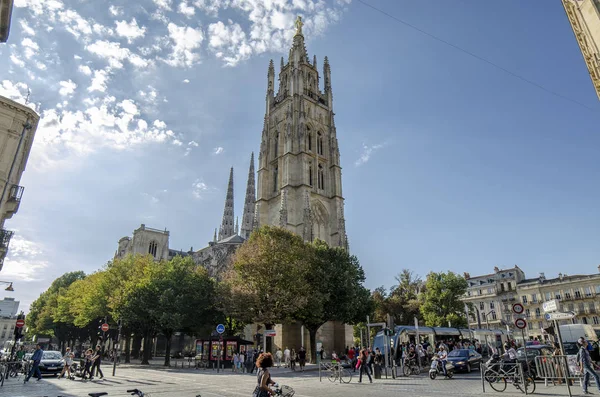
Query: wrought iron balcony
[(5, 236), (16, 192)]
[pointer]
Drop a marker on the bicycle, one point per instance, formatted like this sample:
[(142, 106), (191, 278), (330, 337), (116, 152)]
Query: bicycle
[(497, 377), (338, 372), (410, 368), (282, 391)]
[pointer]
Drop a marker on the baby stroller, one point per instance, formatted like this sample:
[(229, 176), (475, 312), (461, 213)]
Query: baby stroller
[(77, 369)]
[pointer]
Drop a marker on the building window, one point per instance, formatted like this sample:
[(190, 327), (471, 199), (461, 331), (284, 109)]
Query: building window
[(481, 306), (494, 316), (527, 313), (309, 139), (152, 248), (509, 286), (577, 294), (548, 296), (276, 147), (310, 175), (584, 320), (534, 298), (568, 294), (588, 292), (557, 296), (597, 289), (596, 320), (319, 143), (537, 312), (529, 326), (321, 177), (524, 299), (502, 287), (275, 176), (492, 305)]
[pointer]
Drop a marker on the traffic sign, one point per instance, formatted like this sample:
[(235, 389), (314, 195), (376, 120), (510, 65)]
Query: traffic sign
[(560, 316), (220, 328), (518, 308), (550, 306), (20, 323), (520, 323), (105, 327), (270, 333)]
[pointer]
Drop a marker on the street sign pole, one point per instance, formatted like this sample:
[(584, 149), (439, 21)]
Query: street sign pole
[(116, 349), (220, 330), (565, 366)]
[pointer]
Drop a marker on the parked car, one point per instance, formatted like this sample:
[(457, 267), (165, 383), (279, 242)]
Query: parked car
[(52, 363), (533, 352), (464, 359)]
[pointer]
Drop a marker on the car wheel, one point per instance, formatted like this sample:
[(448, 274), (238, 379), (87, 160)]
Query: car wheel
[(469, 368)]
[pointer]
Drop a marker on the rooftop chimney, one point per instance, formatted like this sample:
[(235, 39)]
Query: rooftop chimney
[(560, 276), (542, 277)]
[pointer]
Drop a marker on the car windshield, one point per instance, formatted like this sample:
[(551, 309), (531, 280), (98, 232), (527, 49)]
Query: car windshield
[(570, 348), (459, 353), (51, 356)]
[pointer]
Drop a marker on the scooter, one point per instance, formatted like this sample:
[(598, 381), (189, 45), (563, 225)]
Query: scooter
[(436, 368)]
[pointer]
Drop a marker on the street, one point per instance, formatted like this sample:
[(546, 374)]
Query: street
[(157, 381)]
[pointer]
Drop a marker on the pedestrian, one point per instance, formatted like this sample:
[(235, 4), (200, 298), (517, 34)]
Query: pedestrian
[(586, 366), (293, 358), (363, 365), (302, 358), (286, 356), (279, 357), (96, 361), (236, 362), (87, 369), (35, 368), (263, 377), (68, 359), (241, 362)]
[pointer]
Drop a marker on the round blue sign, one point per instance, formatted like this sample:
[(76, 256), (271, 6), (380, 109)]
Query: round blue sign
[(547, 316), (220, 328)]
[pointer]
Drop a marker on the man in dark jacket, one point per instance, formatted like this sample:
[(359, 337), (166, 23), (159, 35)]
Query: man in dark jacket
[(35, 368)]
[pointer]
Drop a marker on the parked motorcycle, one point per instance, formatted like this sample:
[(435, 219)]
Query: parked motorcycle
[(436, 368)]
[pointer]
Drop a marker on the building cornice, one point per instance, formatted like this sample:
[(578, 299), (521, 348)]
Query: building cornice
[(17, 107)]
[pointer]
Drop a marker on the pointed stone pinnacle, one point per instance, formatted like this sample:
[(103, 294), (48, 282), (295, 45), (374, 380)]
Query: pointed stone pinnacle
[(227, 229)]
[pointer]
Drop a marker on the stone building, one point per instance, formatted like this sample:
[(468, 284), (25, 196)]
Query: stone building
[(493, 296), (584, 17), (18, 124), (8, 319), (299, 185)]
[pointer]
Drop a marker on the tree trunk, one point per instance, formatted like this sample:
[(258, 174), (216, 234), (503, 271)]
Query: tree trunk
[(168, 337), (268, 342), (312, 332), (137, 346), (147, 348), (127, 347)]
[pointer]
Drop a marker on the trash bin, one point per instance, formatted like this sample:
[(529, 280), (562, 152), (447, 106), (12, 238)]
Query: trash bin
[(377, 371)]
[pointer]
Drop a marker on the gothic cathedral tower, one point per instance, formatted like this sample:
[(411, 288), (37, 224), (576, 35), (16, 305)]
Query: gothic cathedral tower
[(299, 173)]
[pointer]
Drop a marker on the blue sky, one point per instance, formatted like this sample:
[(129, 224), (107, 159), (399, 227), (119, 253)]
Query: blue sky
[(449, 163)]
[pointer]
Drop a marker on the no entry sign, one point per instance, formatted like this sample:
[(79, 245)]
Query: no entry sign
[(520, 323), (20, 323), (105, 327)]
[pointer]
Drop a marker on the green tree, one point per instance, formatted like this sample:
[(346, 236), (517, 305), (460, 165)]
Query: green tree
[(270, 275), (441, 302), (335, 279)]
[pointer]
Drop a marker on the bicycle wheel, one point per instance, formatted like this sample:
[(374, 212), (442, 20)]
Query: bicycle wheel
[(333, 376), (530, 385), (406, 370), (497, 383), (346, 376)]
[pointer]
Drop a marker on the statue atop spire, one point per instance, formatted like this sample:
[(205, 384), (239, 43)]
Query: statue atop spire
[(248, 216), (227, 227), (298, 24)]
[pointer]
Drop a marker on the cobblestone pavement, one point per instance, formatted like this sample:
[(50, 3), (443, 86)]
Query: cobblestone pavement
[(159, 382)]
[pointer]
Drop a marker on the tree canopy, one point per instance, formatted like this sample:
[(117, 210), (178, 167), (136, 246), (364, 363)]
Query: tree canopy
[(441, 301)]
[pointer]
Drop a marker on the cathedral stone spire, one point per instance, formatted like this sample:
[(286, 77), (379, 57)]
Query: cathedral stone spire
[(248, 216), (237, 226), (227, 224)]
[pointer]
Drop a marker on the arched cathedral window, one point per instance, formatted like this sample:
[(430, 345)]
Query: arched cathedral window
[(153, 248), (310, 174), (308, 133), (321, 177), (319, 143), (275, 176), (276, 148)]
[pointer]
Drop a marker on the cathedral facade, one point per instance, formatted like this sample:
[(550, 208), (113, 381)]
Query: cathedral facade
[(299, 184)]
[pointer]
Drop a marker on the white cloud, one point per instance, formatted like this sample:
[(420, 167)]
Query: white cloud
[(99, 81), (109, 50), (367, 152), (193, 143), (17, 61), (27, 30), (185, 9), (24, 261), (18, 92), (115, 11), (199, 188), (67, 87), (186, 81), (218, 150), (130, 30), (85, 69), (185, 40), (163, 4), (229, 39), (74, 23)]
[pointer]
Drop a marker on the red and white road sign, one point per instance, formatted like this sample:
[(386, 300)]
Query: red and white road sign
[(269, 333), (105, 327), (518, 308), (20, 323), (520, 323)]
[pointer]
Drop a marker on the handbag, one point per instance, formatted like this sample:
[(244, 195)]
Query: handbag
[(358, 362)]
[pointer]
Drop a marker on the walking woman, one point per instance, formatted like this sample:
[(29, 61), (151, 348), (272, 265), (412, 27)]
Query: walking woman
[(363, 363), (89, 354), (68, 359), (263, 377), (97, 360)]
